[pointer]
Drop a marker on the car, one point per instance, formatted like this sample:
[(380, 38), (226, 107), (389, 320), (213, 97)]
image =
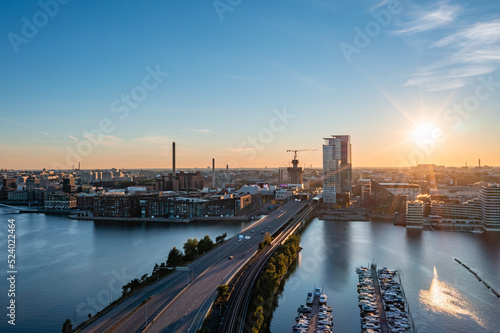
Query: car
[(231, 257), (253, 230), (268, 227), (262, 232)]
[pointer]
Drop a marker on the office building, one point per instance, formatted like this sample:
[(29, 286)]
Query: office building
[(337, 167)]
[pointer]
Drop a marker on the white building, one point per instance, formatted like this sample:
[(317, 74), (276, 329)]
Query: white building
[(414, 214), (490, 207)]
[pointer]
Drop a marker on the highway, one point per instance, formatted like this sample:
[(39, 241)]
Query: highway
[(235, 316), (176, 305)]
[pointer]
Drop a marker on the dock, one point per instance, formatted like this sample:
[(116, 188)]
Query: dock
[(315, 316), (380, 303)]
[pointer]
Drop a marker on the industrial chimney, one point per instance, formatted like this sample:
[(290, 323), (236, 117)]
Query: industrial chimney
[(173, 158), (213, 172)]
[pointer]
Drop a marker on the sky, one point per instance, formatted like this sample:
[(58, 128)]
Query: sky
[(114, 83)]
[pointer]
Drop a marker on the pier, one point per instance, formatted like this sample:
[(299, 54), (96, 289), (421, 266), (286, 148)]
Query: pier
[(380, 303), (315, 316)]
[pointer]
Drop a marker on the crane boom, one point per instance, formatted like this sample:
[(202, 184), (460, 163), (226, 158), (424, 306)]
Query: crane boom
[(294, 151)]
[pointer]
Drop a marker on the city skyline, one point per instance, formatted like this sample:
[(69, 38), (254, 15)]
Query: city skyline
[(113, 85)]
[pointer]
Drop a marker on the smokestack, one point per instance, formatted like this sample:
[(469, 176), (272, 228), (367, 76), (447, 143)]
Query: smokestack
[(173, 158), (213, 172), (79, 166)]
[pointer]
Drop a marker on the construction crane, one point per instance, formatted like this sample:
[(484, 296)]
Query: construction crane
[(294, 151)]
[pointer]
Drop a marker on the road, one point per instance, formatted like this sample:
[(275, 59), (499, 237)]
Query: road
[(235, 316), (176, 305)]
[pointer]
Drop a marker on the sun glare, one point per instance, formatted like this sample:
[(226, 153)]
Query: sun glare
[(423, 132)]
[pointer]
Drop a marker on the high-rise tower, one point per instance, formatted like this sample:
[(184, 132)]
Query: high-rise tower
[(337, 167)]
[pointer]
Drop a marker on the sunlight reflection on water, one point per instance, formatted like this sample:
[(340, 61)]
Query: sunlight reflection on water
[(443, 298)]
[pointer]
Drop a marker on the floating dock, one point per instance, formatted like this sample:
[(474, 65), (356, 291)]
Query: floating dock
[(315, 316), (382, 301), (479, 278)]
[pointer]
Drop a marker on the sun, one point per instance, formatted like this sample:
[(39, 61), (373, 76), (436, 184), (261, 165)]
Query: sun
[(424, 132)]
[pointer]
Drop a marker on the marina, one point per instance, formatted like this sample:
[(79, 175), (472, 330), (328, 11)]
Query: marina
[(382, 302), (315, 316)]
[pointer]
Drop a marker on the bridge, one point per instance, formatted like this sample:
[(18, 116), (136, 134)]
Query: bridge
[(18, 209), (178, 303)]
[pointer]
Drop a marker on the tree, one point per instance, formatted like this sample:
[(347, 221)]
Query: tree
[(222, 293), (174, 258), (67, 327), (205, 244), (221, 238), (190, 249)]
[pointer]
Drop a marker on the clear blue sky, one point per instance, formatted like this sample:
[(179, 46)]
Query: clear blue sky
[(229, 67)]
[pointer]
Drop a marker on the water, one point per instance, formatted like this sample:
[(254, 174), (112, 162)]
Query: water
[(68, 269), (443, 295)]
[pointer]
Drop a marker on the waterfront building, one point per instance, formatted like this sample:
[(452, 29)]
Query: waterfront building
[(414, 214), (85, 201), (337, 167), (59, 200), (490, 207), (391, 197), (453, 213), (154, 205)]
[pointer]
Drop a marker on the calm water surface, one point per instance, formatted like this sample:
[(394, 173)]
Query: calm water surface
[(443, 295), (67, 269)]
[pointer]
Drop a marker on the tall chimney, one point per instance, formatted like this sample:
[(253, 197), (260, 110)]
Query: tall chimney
[(213, 172), (173, 158)]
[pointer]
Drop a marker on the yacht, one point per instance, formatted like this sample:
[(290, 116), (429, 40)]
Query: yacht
[(310, 298)]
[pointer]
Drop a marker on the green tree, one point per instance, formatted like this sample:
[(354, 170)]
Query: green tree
[(222, 294), (258, 318), (190, 249), (221, 238), (205, 244), (174, 258), (67, 327)]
